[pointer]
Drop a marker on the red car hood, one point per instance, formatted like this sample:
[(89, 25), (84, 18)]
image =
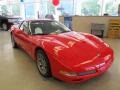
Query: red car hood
[(73, 48)]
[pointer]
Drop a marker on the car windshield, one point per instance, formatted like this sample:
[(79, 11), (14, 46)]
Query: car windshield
[(47, 27)]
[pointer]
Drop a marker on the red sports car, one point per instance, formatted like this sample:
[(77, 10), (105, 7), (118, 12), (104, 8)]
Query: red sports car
[(67, 55)]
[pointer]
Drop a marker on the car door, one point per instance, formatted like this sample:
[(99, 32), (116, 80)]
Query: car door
[(26, 38), (17, 33)]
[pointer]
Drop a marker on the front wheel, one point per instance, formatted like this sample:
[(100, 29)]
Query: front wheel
[(43, 63), (14, 44)]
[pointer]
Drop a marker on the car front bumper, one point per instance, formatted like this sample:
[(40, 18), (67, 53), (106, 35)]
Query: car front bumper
[(78, 79)]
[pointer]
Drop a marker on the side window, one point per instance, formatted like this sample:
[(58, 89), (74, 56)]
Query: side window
[(24, 26)]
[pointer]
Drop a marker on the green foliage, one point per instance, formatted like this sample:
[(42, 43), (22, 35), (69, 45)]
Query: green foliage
[(51, 8), (110, 8), (4, 10), (16, 10), (90, 8)]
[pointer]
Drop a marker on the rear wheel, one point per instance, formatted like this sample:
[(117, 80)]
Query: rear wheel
[(43, 63), (14, 44), (4, 26)]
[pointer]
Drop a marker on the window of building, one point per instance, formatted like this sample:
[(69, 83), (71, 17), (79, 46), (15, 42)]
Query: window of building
[(90, 8), (67, 7), (16, 9)]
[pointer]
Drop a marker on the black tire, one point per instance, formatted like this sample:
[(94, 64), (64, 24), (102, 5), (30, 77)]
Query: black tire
[(43, 63), (4, 27), (14, 44)]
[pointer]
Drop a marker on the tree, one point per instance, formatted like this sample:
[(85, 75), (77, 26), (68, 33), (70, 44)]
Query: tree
[(90, 8), (110, 8), (4, 10), (50, 8), (16, 10)]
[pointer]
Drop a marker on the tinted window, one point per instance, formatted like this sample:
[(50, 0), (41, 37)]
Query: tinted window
[(47, 27)]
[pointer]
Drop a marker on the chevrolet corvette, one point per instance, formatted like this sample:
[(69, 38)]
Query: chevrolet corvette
[(59, 52)]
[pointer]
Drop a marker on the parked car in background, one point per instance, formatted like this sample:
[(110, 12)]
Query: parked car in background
[(7, 22)]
